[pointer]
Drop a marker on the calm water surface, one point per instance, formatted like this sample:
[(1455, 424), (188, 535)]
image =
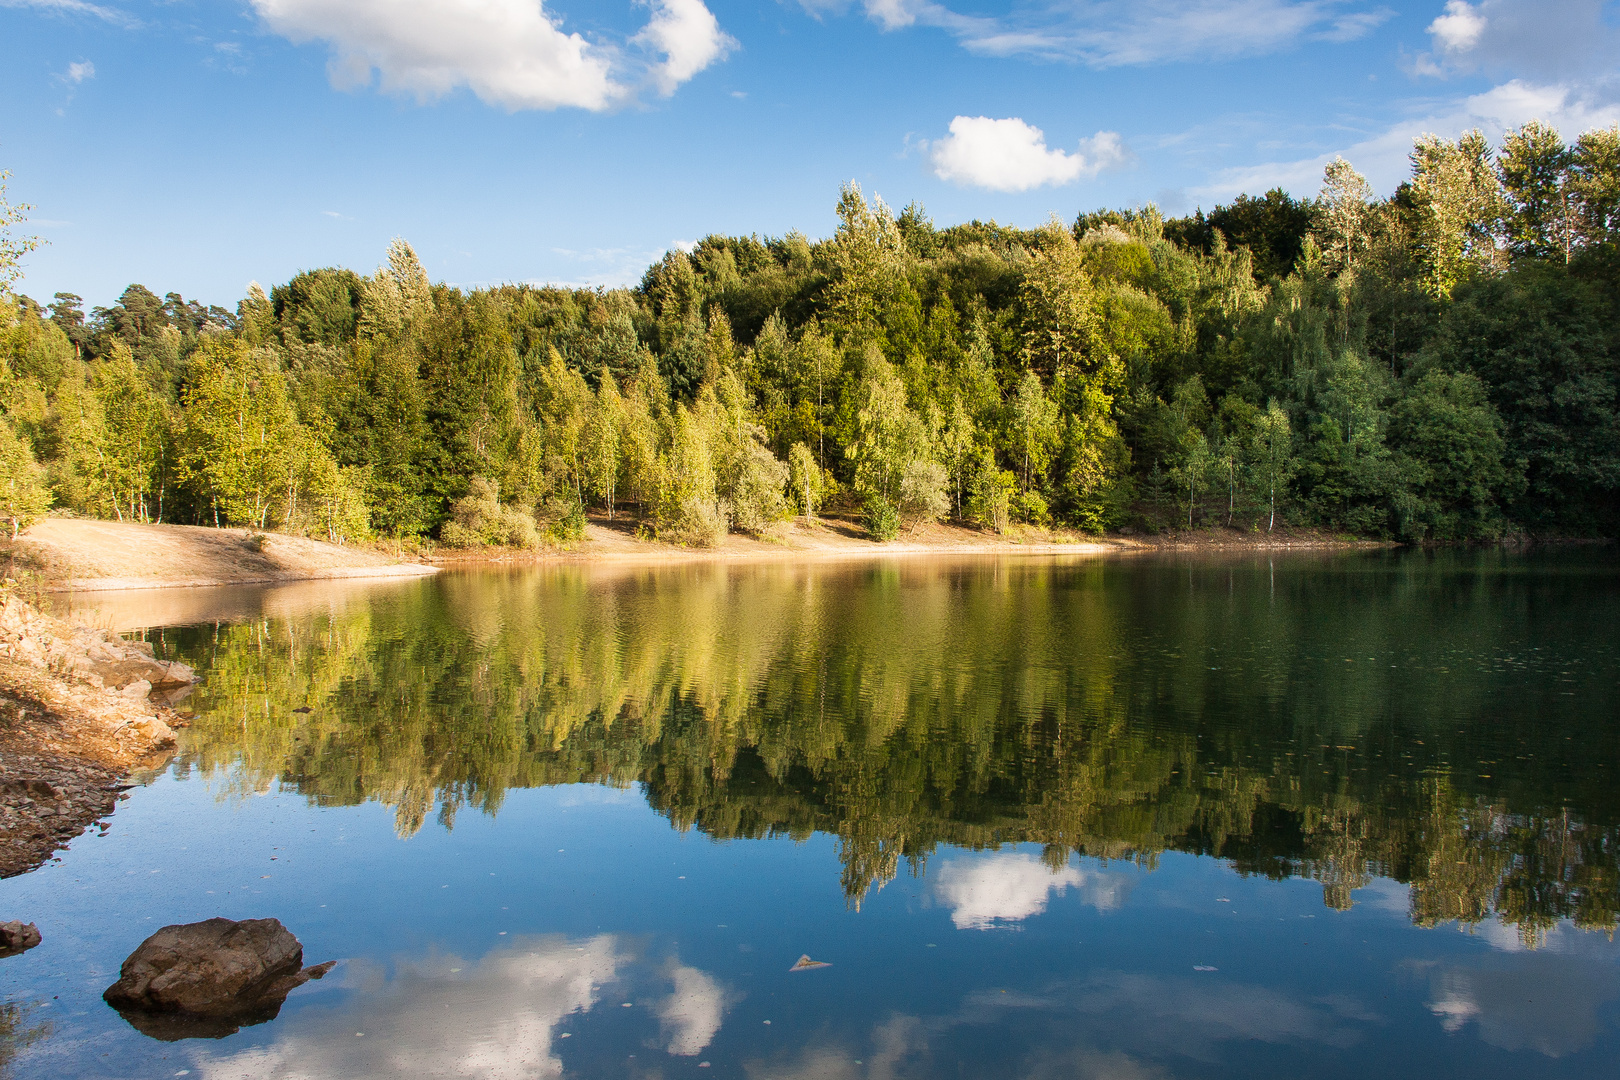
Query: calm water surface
[(1340, 815)]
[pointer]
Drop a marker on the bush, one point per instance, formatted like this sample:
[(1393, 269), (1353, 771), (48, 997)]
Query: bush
[(566, 522), (480, 519), (697, 521), (758, 500), (882, 519), (922, 492), (1032, 508)]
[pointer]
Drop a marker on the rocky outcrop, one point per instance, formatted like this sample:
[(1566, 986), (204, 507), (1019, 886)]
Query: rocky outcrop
[(17, 937), (209, 979), (98, 657), (79, 708)]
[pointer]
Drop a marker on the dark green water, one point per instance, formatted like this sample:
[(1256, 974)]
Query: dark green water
[(1237, 816)]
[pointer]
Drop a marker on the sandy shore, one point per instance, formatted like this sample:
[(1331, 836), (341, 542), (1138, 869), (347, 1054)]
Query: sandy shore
[(101, 556), (77, 554)]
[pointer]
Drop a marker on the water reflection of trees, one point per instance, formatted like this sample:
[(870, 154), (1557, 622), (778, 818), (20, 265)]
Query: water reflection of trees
[(1089, 709)]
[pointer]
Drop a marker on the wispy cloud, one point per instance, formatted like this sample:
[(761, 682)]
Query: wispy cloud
[(77, 7), (1382, 156), (1114, 33)]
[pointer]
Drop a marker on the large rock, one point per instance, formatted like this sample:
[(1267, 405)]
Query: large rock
[(207, 979), (17, 937)]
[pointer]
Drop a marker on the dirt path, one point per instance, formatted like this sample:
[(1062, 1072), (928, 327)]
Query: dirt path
[(94, 555)]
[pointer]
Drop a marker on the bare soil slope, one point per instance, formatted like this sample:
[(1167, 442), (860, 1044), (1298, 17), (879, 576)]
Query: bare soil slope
[(82, 554)]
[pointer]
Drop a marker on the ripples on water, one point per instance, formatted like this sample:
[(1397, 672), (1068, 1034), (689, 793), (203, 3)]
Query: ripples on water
[(1123, 818)]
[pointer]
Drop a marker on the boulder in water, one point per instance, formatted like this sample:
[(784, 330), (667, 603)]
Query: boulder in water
[(17, 937), (207, 979)]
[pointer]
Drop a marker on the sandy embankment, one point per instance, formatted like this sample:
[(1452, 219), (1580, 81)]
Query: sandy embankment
[(98, 555)]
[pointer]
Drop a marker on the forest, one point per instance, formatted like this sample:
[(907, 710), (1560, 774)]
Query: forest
[(1441, 365)]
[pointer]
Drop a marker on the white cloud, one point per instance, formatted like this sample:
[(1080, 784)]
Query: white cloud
[(1460, 28), (491, 1018), (982, 892), (689, 36), (447, 1017), (1010, 155), (76, 7), (692, 1014), (80, 70), (1382, 157), (508, 52), (1544, 38), (1110, 33)]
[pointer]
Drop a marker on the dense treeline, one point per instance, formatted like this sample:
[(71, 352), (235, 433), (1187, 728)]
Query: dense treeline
[(1443, 364)]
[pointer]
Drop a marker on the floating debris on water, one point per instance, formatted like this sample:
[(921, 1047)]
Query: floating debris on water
[(805, 964)]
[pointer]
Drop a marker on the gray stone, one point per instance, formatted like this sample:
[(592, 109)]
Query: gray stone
[(17, 937), (206, 979)]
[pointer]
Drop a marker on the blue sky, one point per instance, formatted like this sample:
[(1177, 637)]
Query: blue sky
[(194, 146)]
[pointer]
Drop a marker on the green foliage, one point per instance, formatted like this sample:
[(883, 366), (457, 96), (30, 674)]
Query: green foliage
[(24, 497), (882, 519), (1451, 440), (1122, 370), (12, 248), (480, 519), (804, 476)]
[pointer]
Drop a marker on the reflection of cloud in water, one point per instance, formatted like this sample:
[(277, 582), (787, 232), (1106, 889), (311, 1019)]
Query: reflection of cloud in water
[(1191, 1015), (446, 1017), (896, 1044), (1533, 1001), (983, 891), (691, 1015), (1112, 1026)]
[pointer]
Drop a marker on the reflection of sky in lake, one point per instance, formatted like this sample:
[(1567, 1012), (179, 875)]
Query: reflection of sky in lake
[(637, 950)]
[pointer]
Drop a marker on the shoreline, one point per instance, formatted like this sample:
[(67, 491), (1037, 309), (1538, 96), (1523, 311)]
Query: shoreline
[(70, 743), (833, 539), (72, 556)]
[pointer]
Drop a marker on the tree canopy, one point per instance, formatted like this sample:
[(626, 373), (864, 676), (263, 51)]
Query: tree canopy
[(1442, 364)]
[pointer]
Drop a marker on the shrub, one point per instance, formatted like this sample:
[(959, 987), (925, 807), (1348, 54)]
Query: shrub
[(697, 521), (882, 519), (479, 519)]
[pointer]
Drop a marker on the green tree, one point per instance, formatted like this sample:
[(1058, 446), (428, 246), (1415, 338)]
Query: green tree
[(1060, 313), (24, 497), (1343, 214), (888, 438), (243, 445), (602, 438), (1451, 440), (1542, 219), (1459, 204), (1595, 182), (1272, 453), (136, 438), (804, 475), (12, 248), (1032, 430)]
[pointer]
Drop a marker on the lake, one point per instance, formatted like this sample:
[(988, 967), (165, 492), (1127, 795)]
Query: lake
[(1252, 815)]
